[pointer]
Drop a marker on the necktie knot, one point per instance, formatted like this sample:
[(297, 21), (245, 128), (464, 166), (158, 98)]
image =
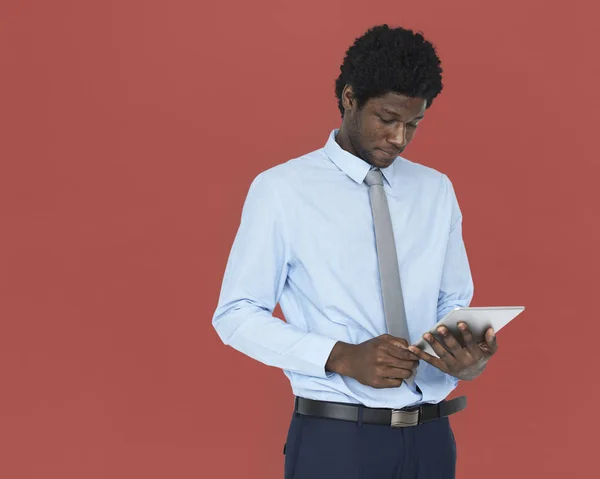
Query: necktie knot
[(374, 177)]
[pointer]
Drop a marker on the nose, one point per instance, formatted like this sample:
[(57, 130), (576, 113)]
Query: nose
[(398, 138)]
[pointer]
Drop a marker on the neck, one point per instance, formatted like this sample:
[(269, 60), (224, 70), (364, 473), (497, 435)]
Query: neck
[(343, 139)]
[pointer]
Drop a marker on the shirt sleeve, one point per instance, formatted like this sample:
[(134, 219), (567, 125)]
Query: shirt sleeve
[(456, 287), (254, 278)]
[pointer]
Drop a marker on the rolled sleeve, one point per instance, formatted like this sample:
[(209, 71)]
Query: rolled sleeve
[(254, 278)]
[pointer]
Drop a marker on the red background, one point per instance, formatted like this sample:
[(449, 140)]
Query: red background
[(130, 131)]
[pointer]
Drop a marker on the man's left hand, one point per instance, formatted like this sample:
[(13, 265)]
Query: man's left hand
[(466, 362)]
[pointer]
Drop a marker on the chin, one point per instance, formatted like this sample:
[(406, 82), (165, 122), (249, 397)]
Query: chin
[(382, 161)]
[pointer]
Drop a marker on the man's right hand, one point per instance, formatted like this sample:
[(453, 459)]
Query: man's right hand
[(381, 362)]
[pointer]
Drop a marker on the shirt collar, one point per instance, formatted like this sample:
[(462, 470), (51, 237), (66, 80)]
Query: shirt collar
[(355, 167)]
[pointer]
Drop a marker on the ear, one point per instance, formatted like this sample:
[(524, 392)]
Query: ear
[(348, 100)]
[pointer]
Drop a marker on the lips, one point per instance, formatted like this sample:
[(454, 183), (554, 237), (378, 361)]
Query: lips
[(391, 153)]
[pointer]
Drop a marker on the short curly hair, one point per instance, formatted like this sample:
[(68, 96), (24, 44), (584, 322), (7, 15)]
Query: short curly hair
[(387, 60)]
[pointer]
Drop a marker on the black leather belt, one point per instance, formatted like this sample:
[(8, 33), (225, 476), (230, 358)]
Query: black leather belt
[(405, 417)]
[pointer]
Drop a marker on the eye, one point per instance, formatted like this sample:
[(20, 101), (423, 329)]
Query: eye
[(412, 125), (387, 122)]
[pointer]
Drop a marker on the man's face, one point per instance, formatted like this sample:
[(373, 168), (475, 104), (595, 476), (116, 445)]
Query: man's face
[(383, 127)]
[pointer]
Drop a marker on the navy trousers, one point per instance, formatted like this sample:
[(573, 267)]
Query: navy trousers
[(319, 448)]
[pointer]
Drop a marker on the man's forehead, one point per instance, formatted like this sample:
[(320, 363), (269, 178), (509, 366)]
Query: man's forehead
[(397, 104)]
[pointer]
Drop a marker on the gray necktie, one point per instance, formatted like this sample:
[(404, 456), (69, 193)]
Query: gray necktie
[(393, 301)]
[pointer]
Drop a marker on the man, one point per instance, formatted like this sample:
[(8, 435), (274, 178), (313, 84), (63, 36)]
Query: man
[(315, 237)]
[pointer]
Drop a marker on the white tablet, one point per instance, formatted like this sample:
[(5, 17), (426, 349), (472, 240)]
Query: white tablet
[(479, 320)]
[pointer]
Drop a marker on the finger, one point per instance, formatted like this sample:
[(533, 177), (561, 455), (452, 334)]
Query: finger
[(435, 362), (455, 348), (399, 352), (401, 363), (395, 373), (490, 341), (398, 342), (470, 343), (448, 358), (394, 358)]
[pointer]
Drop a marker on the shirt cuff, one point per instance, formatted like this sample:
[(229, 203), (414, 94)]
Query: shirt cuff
[(453, 380), (320, 349)]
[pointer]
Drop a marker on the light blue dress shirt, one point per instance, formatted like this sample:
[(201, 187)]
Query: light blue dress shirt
[(306, 240)]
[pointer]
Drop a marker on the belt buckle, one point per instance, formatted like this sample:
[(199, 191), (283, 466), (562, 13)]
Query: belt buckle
[(403, 418)]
